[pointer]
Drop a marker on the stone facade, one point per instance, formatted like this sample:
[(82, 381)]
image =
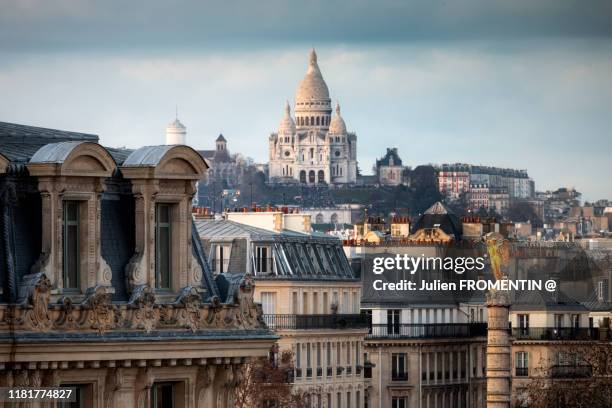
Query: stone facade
[(314, 147), (81, 302)]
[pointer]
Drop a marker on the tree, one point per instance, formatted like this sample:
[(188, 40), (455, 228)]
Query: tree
[(266, 382), (586, 381)]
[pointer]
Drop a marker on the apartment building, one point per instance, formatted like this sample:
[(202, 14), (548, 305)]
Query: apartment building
[(552, 335), (309, 295)]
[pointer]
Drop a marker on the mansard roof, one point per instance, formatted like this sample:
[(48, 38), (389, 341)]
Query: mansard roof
[(303, 253)]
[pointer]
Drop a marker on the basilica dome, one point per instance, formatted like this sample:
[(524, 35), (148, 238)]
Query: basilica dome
[(337, 125), (287, 125), (313, 86)]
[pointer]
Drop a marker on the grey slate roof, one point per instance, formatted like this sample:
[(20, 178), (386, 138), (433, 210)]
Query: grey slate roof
[(15, 133), (54, 152), (146, 156), (544, 300)]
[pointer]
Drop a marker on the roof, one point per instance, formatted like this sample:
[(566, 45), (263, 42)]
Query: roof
[(544, 300), (18, 143), (220, 138), (439, 216), (54, 152), (147, 156), (15, 133), (313, 86), (391, 154)]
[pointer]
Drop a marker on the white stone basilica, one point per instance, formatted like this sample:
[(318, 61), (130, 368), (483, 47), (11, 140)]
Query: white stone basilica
[(313, 148)]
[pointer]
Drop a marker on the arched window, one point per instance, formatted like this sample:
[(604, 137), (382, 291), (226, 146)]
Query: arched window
[(318, 118), (311, 176), (321, 176), (319, 218), (303, 176), (312, 120), (334, 218)]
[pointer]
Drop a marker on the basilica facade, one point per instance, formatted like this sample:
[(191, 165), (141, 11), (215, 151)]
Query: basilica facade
[(313, 146)]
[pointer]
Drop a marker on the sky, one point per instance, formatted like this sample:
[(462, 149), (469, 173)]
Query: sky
[(524, 84)]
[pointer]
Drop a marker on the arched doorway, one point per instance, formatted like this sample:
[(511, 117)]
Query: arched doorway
[(321, 178), (303, 176), (311, 176)]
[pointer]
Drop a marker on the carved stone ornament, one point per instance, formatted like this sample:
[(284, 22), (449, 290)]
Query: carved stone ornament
[(34, 293), (98, 301)]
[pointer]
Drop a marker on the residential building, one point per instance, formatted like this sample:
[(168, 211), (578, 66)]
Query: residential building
[(105, 287), (309, 294), (552, 336)]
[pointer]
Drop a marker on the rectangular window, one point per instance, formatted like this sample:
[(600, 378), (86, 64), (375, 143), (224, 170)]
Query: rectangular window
[(298, 355), (522, 363), (268, 302), (358, 399), (71, 260), (222, 258), (83, 395), (398, 367), (398, 402), (318, 355), (163, 395), (348, 399), (315, 303), (523, 322), (575, 321), (559, 320), (393, 321), (325, 306), (262, 260), (163, 248), (339, 400)]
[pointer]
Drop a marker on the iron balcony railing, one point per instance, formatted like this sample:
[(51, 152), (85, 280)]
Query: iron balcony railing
[(571, 371), (555, 333), (522, 371), (427, 330), (318, 321)]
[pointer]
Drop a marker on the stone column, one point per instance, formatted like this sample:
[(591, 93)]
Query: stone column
[(498, 351)]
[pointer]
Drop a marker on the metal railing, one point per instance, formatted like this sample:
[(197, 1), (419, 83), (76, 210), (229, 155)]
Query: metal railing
[(427, 330), (305, 322), (521, 371), (555, 333), (571, 371)]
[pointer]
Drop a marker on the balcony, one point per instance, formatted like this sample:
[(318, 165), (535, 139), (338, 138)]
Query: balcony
[(555, 333), (318, 321), (571, 371), (402, 376), (426, 330), (521, 372)]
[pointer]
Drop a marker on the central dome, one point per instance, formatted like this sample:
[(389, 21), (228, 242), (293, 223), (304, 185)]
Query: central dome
[(313, 86)]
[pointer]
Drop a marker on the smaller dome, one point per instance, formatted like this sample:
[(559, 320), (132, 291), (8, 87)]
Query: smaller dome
[(287, 125), (176, 124), (337, 125)]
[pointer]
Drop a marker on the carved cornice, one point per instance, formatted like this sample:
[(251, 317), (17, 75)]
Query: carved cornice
[(98, 313)]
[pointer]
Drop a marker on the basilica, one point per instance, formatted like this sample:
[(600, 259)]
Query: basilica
[(314, 147)]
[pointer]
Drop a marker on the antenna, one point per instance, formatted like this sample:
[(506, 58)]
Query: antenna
[(176, 111)]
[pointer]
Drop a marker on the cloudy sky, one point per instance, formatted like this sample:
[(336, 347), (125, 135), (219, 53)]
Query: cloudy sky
[(522, 83)]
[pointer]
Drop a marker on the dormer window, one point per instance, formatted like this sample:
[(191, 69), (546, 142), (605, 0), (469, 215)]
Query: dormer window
[(163, 250), (71, 258)]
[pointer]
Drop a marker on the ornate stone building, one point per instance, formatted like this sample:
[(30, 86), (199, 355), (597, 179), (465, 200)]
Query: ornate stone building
[(104, 283), (314, 147)]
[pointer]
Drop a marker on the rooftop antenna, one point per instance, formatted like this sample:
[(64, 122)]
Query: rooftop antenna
[(176, 111)]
